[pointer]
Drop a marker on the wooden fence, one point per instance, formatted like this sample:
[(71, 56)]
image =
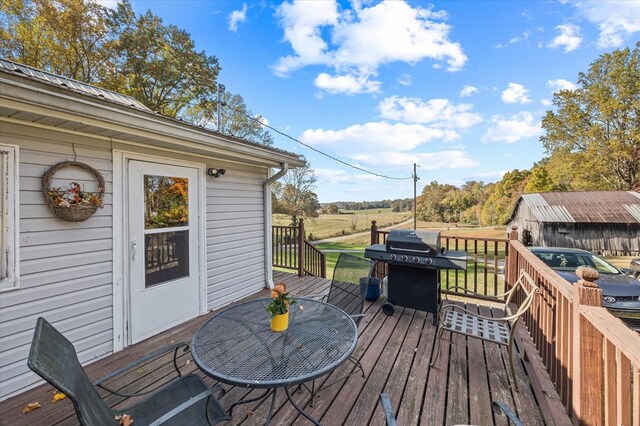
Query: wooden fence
[(593, 358), (292, 251)]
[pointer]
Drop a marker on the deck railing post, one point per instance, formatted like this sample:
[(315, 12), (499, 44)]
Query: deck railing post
[(586, 378), (300, 243), (374, 232), (511, 262)]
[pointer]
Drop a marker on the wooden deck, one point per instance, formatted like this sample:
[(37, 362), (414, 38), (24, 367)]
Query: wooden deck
[(395, 352)]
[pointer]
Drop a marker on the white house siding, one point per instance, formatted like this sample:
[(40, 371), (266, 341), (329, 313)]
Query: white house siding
[(65, 267), (235, 234)]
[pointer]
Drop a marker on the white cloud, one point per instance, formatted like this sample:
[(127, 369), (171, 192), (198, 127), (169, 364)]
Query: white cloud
[(468, 90), (569, 37), (109, 4), (428, 160), (439, 113), (546, 102), (357, 41), (512, 129), (341, 177), (348, 84), (377, 136), (616, 20), (561, 84), (405, 80), (515, 93), (491, 176), (517, 39), (236, 17)]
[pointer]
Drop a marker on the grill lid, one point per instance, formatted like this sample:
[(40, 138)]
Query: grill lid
[(408, 240)]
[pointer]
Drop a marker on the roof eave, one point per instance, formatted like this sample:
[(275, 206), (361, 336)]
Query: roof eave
[(30, 95)]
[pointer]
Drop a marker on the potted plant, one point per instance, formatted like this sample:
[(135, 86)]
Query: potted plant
[(279, 307)]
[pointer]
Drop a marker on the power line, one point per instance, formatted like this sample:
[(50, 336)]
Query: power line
[(320, 152)]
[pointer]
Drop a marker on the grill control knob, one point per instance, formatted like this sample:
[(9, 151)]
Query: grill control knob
[(404, 258), (392, 257), (416, 259), (428, 261)]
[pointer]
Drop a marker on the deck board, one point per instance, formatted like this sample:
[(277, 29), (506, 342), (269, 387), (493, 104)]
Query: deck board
[(394, 350)]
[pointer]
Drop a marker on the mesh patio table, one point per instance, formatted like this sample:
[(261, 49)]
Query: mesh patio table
[(238, 347)]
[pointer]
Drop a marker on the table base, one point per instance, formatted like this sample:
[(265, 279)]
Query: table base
[(272, 392)]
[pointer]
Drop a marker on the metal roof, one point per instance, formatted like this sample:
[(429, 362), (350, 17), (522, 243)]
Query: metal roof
[(583, 207), (141, 111), (71, 84)]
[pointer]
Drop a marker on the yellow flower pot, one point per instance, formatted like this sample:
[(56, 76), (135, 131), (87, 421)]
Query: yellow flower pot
[(280, 322)]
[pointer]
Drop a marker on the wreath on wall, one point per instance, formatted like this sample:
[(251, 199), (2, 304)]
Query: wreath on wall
[(72, 204)]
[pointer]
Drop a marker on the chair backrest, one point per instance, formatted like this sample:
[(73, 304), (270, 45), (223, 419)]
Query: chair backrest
[(346, 292), (527, 286), (54, 358)]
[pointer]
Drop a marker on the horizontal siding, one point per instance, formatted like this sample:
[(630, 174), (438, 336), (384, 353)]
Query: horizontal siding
[(65, 267), (235, 235)]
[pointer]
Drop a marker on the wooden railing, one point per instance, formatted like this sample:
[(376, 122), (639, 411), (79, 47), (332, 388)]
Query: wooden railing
[(592, 358), (291, 251), (485, 265)]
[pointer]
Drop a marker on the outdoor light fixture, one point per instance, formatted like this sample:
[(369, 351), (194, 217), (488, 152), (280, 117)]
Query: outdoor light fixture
[(212, 171)]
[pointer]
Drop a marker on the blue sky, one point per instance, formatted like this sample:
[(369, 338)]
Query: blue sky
[(458, 87)]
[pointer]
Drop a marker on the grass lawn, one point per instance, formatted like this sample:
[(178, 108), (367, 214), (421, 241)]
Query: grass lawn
[(333, 225)]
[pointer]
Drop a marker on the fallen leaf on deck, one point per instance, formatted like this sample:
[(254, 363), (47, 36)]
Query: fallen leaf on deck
[(30, 407), (188, 362), (140, 370), (125, 420), (249, 413), (57, 396)]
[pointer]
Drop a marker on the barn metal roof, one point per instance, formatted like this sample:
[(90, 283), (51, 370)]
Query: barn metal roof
[(71, 84), (583, 207)]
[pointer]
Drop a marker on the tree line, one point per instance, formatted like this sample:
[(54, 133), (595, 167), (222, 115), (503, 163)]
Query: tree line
[(397, 205), (132, 54), (592, 138)]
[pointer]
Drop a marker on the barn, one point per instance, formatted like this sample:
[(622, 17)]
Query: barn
[(604, 222)]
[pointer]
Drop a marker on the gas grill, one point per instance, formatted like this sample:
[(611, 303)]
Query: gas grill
[(414, 259)]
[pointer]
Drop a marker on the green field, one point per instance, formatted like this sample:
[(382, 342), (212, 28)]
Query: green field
[(349, 222)]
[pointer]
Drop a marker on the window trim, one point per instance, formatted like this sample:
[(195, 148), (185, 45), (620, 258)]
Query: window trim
[(10, 204)]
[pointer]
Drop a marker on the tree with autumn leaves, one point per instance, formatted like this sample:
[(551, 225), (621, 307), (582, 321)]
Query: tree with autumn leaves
[(136, 55)]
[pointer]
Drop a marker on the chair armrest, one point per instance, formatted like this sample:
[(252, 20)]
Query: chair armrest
[(316, 296), (174, 347), (452, 306), (188, 403), (497, 297), (499, 408)]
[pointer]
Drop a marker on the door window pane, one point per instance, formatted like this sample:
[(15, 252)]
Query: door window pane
[(166, 202), (166, 257)]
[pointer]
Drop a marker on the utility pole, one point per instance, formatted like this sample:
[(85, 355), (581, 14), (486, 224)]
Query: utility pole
[(220, 103), (415, 198)]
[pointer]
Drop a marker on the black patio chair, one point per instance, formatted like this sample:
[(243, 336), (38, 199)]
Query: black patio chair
[(347, 293), (184, 400)]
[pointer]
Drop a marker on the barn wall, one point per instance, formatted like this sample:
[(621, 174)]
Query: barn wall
[(608, 239), (525, 221), (65, 267)]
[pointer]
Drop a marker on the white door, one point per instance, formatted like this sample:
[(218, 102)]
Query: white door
[(164, 280)]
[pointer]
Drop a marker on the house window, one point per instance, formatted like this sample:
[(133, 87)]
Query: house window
[(8, 217)]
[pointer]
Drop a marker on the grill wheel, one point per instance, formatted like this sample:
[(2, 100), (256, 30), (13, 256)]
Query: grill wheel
[(388, 309)]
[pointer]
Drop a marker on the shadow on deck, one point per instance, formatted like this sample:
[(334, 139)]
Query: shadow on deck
[(395, 351)]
